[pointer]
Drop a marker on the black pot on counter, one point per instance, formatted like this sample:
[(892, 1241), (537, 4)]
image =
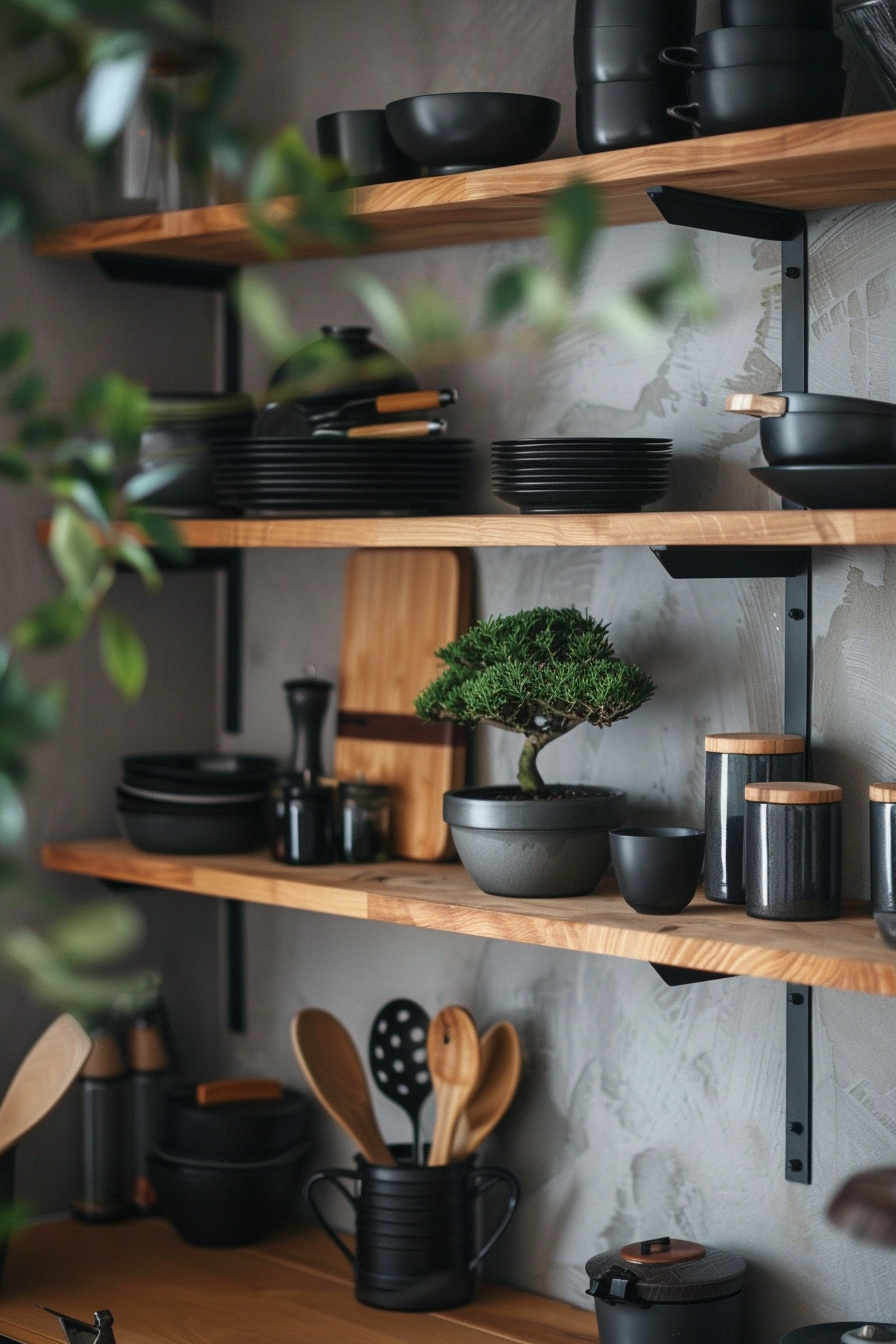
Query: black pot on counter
[(654, 1292)]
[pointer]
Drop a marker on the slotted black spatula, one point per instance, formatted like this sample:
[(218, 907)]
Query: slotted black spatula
[(397, 1054)]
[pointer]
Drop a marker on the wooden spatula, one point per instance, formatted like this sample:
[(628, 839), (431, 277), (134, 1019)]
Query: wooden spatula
[(43, 1078), (499, 1078), (452, 1050), (335, 1075)]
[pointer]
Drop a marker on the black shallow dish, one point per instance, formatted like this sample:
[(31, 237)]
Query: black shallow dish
[(832, 487), (461, 132), (720, 48), (750, 97), (200, 772), (677, 16), (603, 54), (226, 1204), (622, 444), (580, 501), (629, 113), (235, 1131), (168, 832)]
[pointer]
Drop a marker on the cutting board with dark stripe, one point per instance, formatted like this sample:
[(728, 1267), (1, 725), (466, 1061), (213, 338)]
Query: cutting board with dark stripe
[(399, 607)]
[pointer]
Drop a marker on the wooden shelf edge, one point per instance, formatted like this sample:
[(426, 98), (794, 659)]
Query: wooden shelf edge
[(843, 954)]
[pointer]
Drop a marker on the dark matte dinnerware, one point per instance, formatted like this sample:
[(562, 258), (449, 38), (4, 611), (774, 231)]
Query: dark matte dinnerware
[(517, 846), (303, 821), (658, 867), (370, 371), (205, 772), (642, 1298), (235, 1131), (360, 140), (750, 97), (872, 24), (832, 487), (416, 1243), (786, 13), (721, 47), (226, 1204), (676, 16), (882, 817), (159, 832), (602, 54), (461, 132), (551, 500), (734, 760), (628, 113), (835, 1332), (792, 852), (816, 429)]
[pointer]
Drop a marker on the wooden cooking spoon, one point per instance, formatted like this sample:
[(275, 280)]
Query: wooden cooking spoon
[(43, 1078), (452, 1050), (335, 1074), (499, 1078)]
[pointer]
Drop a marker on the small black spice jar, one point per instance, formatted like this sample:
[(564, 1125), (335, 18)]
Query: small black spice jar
[(792, 850), (364, 819), (303, 820), (882, 810), (734, 760)]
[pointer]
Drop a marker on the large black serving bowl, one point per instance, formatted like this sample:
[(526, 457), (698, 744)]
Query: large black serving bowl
[(460, 132)]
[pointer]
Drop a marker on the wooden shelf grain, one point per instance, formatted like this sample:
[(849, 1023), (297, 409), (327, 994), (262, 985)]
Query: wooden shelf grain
[(843, 954), (760, 527), (849, 161), (294, 1288)]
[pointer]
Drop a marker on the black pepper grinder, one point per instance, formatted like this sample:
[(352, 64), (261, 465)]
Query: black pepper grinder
[(303, 808)]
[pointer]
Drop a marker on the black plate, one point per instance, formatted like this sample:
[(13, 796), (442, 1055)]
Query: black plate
[(832, 487), (594, 442), (559, 481), (579, 501)]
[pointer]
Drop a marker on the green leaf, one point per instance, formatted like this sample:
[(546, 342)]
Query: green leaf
[(15, 346), (26, 393), (90, 996), (42, 431), (117, 407), (383, 306), (82, 493), (97, 933), (122, 653), (505, 295), (76, 555), (531, 291), (162, 532), (13, 821), (433, 318), (574, 217), (111, 90), (53, 624), (132, 552), (15, 467), (148, 482), (261, 307)]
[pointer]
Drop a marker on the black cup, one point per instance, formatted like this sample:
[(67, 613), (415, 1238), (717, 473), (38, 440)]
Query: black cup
[(750, 97), (361, 142), (415, 1226), (627, 113), (603, 54), (721, 47), (676, 16), (657, 867), (786, 13)]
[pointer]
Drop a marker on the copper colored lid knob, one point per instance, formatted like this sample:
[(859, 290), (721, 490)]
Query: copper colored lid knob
[(662, 1251), (793, 793)]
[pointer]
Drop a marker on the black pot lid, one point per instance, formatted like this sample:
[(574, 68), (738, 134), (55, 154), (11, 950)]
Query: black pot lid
[(849, 1332), (665, 1270)]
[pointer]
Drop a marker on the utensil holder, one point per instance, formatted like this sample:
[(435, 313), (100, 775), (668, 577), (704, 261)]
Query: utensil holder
[(792, 851), (415, 1229)]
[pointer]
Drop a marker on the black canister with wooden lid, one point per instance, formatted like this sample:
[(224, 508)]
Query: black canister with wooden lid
[(882, 813), (792, 850), (734, 760)]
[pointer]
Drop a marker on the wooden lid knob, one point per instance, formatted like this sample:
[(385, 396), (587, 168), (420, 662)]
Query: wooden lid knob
[(756, 744), (792, 792), (882, 793), (226, 1090)]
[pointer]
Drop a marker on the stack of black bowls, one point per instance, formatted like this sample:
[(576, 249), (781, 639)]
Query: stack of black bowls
[(205, 804), (772, 63), (624, 90), (581, 475)]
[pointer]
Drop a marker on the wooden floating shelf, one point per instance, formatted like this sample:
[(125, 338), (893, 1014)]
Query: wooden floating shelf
[(841, 954), (766, 527), (294, 1288), (849, 161)]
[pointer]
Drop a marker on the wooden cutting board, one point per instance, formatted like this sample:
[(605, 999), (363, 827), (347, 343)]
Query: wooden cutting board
[(399, 607)]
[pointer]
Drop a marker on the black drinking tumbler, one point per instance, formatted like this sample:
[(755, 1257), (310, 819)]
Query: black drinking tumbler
[(415, 1229)]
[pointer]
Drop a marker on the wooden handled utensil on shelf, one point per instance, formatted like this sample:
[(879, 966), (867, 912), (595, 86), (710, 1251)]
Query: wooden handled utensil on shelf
[(499, 1076), (335, 1074), (761, 408), (391, 403), (454, 1057), (43, 1078), (401, 429)]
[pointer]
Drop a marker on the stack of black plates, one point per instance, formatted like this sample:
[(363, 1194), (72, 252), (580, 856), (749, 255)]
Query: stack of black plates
[(184, 804), (581, 475), (319, 477)]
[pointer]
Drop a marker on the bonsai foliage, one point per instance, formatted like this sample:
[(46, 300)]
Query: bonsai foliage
[(540, 673)]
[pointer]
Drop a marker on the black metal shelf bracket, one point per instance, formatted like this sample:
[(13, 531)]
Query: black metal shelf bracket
[(798, 1104)]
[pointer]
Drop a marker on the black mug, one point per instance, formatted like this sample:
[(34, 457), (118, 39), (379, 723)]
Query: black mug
[(415, 1229)]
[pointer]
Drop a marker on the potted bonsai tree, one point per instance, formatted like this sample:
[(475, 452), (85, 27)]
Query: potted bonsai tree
[(539, 673)]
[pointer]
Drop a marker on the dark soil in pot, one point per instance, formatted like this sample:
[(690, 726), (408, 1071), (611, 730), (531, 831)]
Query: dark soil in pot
[(514, 844)]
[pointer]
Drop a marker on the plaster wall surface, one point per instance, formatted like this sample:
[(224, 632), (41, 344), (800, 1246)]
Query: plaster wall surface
[(644, 1110)]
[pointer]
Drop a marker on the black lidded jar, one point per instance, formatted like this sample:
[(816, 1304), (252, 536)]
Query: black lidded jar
[(653, 1291), (304, 833), (882, 815), (734, 760), (792, 850)]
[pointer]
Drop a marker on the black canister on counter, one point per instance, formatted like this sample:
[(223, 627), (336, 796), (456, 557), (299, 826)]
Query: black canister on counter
[(734, 760), (151, 1075), (304, 821), (792, 850), (104, 1195), (363, 822), (882, 812)]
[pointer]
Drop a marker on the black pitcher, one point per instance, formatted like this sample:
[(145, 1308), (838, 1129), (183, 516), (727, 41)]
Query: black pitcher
[(416, 1240)]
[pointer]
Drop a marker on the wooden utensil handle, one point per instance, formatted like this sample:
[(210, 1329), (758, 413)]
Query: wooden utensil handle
[(238, 1089), (394, 402), (744, 403), (403, 429)]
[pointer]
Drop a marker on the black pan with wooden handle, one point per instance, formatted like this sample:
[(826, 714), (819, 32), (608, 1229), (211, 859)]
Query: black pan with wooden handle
[(814, 429)]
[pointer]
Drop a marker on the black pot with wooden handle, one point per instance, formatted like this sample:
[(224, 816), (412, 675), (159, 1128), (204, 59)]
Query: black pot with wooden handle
[(813, 429)]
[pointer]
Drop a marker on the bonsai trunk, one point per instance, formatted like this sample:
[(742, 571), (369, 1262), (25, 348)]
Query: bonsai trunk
[(530, 781)]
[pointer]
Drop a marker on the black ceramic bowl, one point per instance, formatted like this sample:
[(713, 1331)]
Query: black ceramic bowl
[(203, 772), (236, 1131), (628, 113), (676, 16), (603, 54), (833, 487), (461, 132), (160, 828), (816, 429), (750, 97), (360, 140), (657, 867), (786, 13), (226, 1204), (719, 48)]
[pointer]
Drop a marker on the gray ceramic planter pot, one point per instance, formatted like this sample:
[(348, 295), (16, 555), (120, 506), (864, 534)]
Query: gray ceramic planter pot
[(534, 847)]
